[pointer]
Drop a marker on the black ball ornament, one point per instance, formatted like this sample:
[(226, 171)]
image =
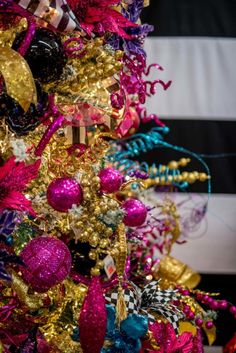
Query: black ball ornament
[(82, 264), (20, 122), (45, 55)]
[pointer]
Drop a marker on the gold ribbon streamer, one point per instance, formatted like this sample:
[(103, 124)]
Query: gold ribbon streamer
[(32, 301), (121, 312), (18, 77)]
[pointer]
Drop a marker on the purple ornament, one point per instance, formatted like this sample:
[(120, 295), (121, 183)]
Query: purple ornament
[(48, 262), (110, 180), (63, 193), (135, 213)]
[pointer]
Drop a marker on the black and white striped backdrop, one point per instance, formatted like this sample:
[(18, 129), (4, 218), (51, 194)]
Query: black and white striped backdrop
[(195, 42)]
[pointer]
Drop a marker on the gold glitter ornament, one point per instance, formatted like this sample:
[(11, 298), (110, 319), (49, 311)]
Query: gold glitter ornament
[(17, 77)]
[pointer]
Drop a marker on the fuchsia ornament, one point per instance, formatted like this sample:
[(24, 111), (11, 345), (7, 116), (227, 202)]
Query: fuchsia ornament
[(110, 180), (135, 213), (63, 193), (48, 262), (93, 319)]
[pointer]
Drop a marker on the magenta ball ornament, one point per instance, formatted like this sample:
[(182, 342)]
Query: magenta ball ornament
[(47, 262), (135, 213), (63, 193), (209, 325), (110, 180), (199, 322), (233, 309)]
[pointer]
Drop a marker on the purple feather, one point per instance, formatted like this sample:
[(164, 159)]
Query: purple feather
[(8, 222), (7, 259), (135, 9)]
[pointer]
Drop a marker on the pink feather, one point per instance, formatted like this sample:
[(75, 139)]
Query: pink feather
[(14, 177)]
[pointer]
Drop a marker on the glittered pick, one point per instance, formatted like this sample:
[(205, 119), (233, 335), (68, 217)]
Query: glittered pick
[(93, 319), (210, 333), (17, 77)]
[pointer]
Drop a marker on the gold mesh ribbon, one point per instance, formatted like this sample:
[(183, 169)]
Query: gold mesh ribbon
[(174, 271), (32, 301), (17, 77)]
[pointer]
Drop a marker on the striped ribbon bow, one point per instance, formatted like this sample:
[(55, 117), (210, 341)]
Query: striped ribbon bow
[(55, 12), (150, 299)]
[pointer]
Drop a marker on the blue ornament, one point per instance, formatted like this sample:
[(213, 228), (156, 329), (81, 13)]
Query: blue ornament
[(125, 339), (135, 326)]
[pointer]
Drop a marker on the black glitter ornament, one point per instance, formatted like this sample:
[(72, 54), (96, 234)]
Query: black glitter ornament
[(82, 264), (18, 121), (45, 55)]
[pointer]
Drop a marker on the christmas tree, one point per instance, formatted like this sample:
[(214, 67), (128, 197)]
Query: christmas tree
[(85, 232)]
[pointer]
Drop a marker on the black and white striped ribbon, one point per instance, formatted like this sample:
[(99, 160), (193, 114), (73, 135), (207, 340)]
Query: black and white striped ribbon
[(62, 19)]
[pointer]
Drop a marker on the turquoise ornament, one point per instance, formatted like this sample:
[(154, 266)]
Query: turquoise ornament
[(126, 338), (135, 326)]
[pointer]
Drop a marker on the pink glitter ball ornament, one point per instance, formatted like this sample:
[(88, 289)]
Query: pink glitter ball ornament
[(93, 319), (135, 213), (62, 193), (48, 262), (110, 180)]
